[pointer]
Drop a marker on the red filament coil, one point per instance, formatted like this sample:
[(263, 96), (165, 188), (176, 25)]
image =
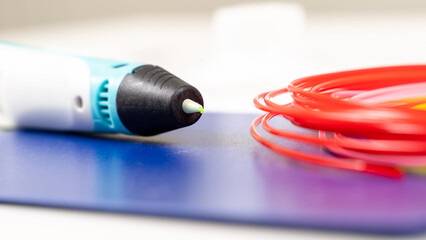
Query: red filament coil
[(374, 119)]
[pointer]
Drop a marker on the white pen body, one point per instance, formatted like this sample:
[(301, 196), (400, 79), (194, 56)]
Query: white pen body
[(42, 89)]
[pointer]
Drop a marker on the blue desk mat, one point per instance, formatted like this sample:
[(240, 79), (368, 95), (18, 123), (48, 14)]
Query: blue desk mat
[(212, 170)]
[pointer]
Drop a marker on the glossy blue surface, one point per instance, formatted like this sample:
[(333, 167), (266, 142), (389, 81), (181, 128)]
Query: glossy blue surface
[(212, 170)]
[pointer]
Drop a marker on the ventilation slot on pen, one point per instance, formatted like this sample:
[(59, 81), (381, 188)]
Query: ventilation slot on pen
[(103, 103)]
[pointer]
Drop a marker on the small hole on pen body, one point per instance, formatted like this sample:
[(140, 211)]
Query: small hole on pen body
[(79, 103)]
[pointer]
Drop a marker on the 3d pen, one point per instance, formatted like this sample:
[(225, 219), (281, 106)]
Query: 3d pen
[(46, 90)]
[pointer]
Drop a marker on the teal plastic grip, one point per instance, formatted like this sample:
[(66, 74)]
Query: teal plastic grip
[(106, 76)]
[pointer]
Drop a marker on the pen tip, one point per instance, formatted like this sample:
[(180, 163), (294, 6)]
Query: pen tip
[(189, 106)]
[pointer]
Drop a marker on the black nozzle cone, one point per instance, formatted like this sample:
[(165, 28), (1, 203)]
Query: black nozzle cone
[(149, 101)]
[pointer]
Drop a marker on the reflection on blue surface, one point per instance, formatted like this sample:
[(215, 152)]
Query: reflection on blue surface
[(211, 170), (39, 165), (137, 171)]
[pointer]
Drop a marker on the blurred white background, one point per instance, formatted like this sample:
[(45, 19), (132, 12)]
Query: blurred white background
[(223, 47), (230, 50)]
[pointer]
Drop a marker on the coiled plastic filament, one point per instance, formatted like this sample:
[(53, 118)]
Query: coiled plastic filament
[(371, 120)]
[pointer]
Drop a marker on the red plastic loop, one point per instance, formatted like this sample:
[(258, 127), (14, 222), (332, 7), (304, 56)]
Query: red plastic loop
[(366, 111)]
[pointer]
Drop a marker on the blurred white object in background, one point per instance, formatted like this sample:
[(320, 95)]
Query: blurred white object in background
[(255, 47), (264, 38)]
